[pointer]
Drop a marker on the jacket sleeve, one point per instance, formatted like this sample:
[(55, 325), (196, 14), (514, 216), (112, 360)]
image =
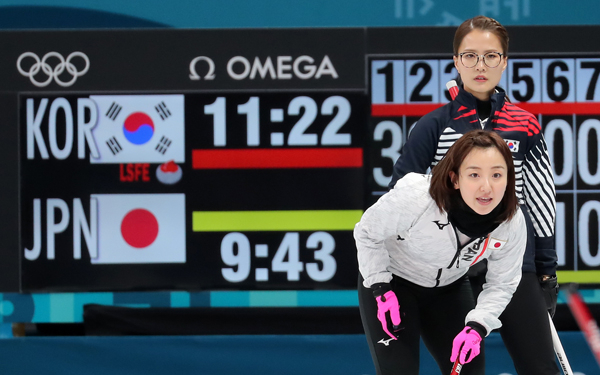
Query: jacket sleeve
[(394, 212), (503, 276), (540, 199), (418, 151)]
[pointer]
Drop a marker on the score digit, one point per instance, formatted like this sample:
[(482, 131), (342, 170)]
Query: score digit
[(239, 259), (392, 152), (558, 80), (290, 249), (327, 243), (217, 109), (251, 110)]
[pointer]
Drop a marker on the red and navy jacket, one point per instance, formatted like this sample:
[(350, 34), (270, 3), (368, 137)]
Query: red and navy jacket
[(434, 133)]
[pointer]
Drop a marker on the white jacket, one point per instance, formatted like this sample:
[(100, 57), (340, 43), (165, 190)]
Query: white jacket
[(405, 234)]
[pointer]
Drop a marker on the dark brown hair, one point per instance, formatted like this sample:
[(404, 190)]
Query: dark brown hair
[(442, 188), (482, 23)]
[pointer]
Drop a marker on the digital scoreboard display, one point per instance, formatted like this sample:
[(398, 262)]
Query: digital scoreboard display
[(242, 159), (219, 190)]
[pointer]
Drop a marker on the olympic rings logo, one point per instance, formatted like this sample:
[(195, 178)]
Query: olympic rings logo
[(58, 69)]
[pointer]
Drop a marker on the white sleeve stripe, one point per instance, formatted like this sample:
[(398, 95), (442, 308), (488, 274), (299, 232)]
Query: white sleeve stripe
[(542, 210), (544, 169), (535, 183), (445, 144), (539, 227), (543, 227), (540, 194), (549, 176)]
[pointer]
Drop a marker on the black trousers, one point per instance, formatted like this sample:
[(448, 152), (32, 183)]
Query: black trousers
[(436, 315), (525, 327)]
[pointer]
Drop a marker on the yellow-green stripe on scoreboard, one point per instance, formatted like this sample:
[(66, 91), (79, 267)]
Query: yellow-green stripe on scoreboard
[(581, 277), (301, 220)]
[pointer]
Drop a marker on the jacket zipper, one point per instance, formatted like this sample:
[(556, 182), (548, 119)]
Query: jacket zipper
[(458, 249), (437, 279), (455, 259)]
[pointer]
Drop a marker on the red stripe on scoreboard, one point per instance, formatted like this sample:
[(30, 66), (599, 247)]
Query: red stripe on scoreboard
[(278, 158), (554, 108), (383, 110), (561, 108)]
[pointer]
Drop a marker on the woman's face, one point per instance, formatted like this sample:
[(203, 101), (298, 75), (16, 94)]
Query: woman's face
[(482, 179), (480, 80)]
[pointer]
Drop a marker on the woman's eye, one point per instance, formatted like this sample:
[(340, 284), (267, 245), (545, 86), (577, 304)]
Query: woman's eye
[(474, 175), (497, 175)]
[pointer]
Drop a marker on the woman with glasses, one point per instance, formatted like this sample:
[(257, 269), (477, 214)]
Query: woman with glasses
[(480, 57)]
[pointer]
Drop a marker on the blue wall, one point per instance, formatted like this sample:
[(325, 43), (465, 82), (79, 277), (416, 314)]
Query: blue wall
[(249, 355), (289, 13)]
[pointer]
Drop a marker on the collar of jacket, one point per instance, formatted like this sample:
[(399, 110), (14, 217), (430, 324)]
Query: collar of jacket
[(466, 99)]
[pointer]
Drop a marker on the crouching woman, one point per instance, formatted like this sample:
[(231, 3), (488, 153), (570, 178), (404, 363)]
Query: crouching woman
[(415, 245)]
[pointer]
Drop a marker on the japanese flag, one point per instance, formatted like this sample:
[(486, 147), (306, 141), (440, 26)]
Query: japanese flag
[(140, 228), (139, 129), (495, 244)]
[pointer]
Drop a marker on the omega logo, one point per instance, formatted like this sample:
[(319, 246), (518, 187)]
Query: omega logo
[(211, 68), (278, 68)]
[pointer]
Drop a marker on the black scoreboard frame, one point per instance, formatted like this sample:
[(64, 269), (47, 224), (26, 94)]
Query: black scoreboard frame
[(253, 87)]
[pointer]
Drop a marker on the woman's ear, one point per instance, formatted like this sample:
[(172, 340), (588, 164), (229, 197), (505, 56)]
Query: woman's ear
[(454, 179)]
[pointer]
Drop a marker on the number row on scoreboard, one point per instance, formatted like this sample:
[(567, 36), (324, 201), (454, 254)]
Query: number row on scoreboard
[(525, 80), (573, 147)]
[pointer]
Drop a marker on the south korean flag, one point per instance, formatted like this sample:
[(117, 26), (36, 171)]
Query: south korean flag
[(139, 129), (512, 145)]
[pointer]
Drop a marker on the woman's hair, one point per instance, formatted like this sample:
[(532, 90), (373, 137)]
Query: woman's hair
[(442, 187), (482, 23)]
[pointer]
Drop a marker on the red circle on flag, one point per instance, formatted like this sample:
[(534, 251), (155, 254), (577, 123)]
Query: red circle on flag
[(497, 244), (139, 228)]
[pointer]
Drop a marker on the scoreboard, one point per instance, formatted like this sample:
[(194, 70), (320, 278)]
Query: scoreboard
[(254, 199), (241, 159)]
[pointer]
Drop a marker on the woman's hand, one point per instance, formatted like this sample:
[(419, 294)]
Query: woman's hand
[(387, 302), (466, 346)]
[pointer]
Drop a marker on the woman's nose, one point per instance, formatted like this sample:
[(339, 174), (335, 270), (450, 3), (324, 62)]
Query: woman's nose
[(480, 63), (485, 185)]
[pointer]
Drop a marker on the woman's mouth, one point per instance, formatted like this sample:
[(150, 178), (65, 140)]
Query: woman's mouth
[(480, 79), (484, 201)]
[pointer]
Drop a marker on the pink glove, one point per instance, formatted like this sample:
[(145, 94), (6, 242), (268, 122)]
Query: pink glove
[(385, 303), (466, 341)]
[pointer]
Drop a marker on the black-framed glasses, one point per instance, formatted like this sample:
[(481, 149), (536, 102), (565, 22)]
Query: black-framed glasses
[(490, 59)]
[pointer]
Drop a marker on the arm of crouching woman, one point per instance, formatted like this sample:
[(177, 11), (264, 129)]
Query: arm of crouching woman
[(393, 213), (503, 275)]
